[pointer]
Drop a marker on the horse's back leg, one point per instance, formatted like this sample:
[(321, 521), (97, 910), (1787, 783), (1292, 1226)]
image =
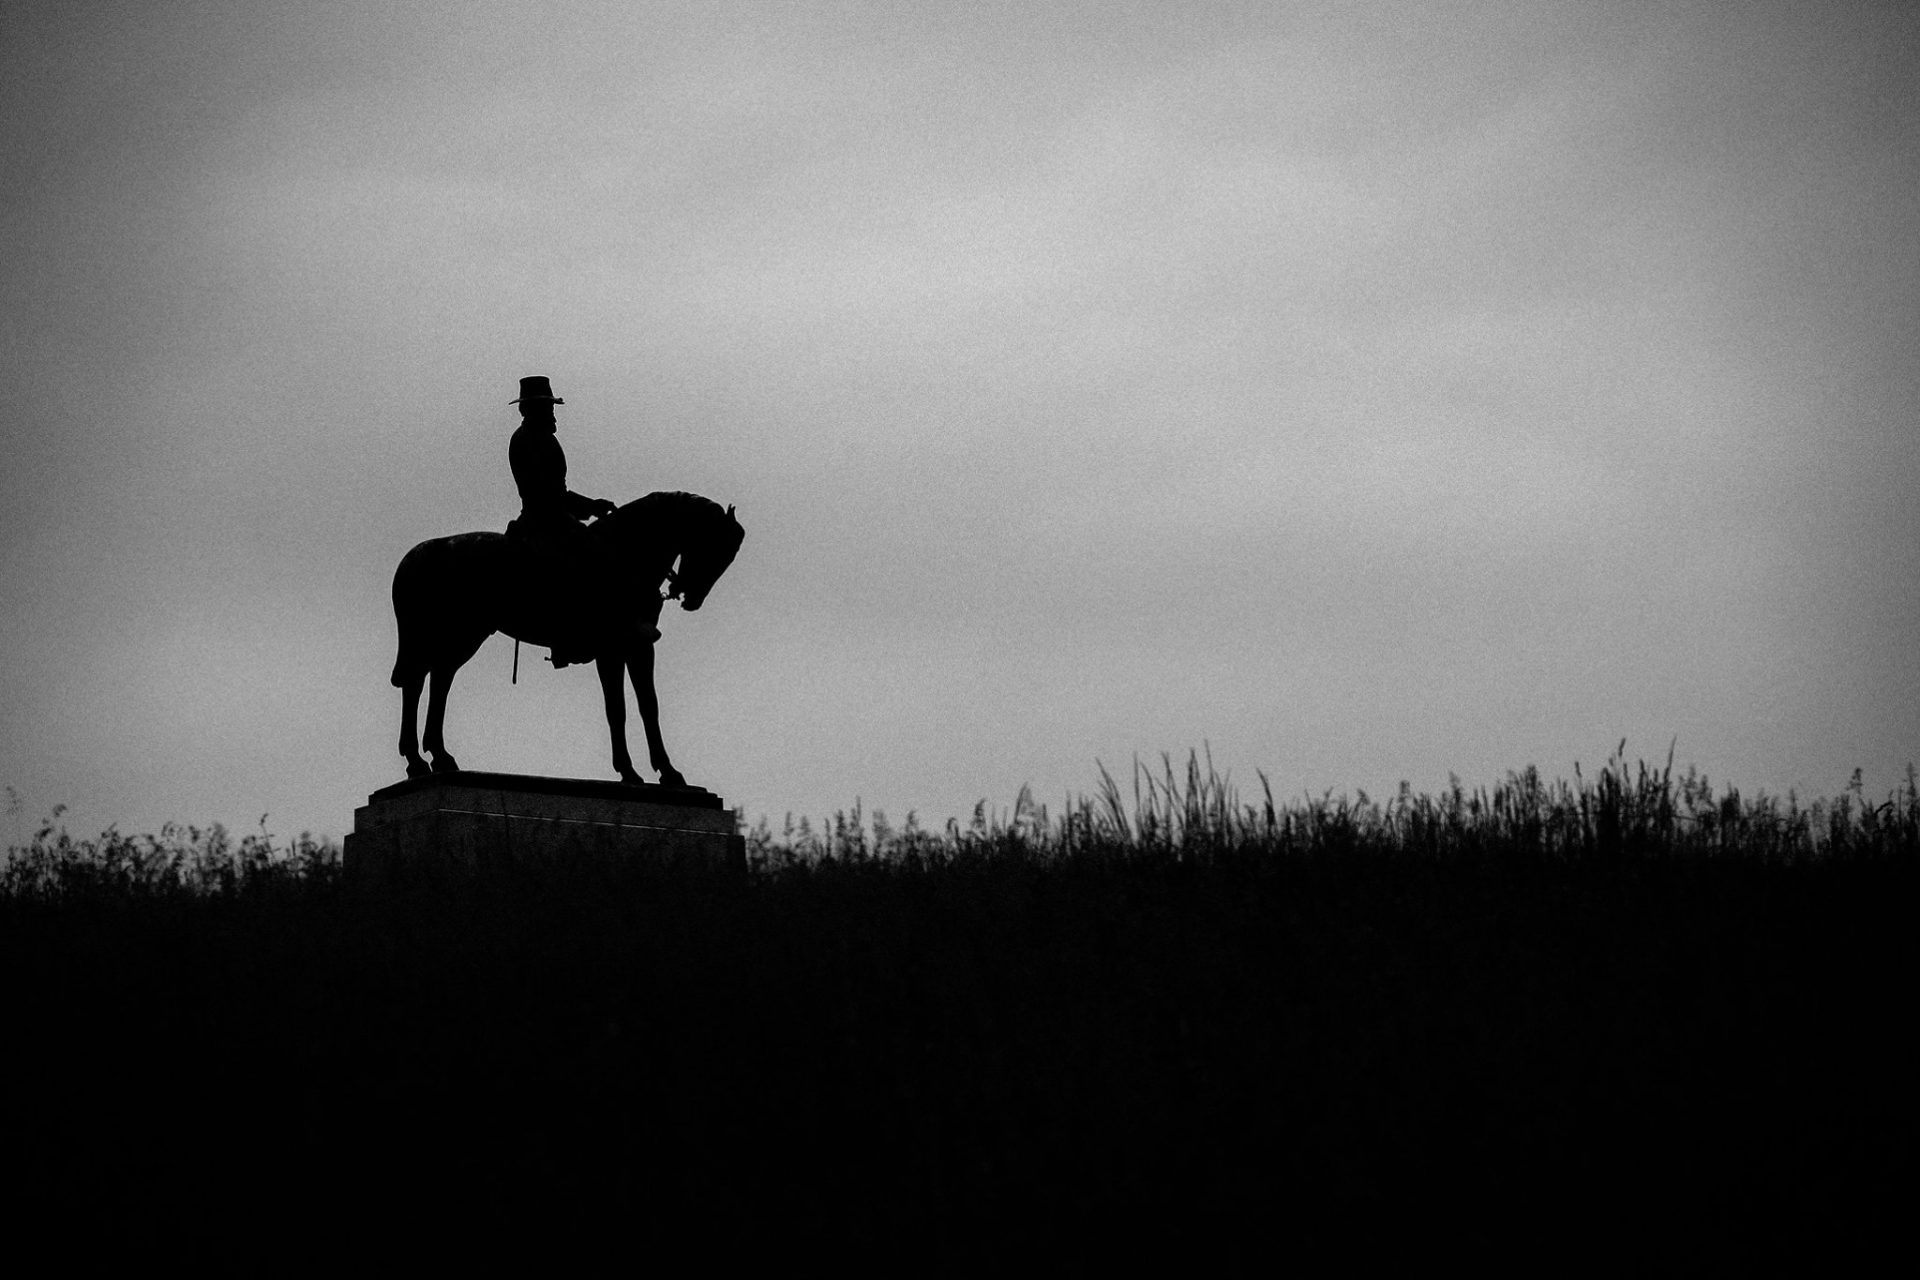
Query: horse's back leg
[(442, 679), (441, 676), (409, 712), (418, 624)]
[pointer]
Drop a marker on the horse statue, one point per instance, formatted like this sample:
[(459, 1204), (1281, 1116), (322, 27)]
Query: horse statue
[(450, 594)]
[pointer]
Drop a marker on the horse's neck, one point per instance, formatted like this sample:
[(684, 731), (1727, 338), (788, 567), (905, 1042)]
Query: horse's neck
[(642, 544)]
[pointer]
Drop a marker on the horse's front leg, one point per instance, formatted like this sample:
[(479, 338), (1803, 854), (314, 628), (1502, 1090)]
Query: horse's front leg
[(614, 694), (640, 666)]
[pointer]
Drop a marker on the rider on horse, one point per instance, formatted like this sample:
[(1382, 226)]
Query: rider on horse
[(550, 526)]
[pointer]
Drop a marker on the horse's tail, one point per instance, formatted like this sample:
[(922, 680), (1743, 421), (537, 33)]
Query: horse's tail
[(408, 659), (412, 662)]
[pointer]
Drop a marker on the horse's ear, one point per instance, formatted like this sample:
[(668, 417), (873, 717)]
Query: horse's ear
[(729, 511)]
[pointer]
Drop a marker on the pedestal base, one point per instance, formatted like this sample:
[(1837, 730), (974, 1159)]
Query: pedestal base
[(466, 823)]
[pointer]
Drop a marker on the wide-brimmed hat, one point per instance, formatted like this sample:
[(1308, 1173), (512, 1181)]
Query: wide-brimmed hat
[(536, 389)]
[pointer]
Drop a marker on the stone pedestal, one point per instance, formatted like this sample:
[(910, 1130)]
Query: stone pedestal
[(471, 823)]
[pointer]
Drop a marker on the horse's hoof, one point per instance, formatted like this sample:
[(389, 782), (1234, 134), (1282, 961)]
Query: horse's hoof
[(418, 769), (445, 764), (629, 778), (671, 778)]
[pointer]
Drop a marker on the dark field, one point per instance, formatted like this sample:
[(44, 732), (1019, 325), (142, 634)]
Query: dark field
[(1622, 1018)]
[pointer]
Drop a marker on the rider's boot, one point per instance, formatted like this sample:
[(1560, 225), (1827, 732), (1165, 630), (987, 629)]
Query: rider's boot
[(566, 655), (576, 642)]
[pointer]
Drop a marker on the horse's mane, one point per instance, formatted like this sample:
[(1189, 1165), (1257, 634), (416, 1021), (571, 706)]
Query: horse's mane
[(673, 502), (664, 508)]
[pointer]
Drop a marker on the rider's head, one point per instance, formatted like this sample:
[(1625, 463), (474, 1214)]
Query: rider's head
[(537, 399)]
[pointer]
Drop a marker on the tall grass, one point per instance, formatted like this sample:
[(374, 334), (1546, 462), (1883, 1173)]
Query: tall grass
[(1198, 813), (1167, 1018), (1195, 813), (179, 860)]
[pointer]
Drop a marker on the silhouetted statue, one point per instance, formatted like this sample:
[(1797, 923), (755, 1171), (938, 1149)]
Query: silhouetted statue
[(589, 593)]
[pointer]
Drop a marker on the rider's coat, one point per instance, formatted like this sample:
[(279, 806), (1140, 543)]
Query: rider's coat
[(556, 552), (540, 472)]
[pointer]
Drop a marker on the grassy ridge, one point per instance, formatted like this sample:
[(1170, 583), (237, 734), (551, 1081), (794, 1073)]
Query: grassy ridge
[(1609, 1011)]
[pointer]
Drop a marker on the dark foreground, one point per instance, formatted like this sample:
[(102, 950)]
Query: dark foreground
[(1013, 1047)]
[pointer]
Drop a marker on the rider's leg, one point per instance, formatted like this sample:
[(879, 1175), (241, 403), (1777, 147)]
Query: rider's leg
[(577, 611)]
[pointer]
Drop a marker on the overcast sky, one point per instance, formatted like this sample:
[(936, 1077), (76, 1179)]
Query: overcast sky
[(1369, 392)]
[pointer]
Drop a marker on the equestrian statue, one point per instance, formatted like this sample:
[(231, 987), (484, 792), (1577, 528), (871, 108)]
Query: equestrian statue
[(590, 592)]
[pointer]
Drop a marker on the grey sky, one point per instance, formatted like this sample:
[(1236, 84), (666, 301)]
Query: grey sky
[(1372, 392)]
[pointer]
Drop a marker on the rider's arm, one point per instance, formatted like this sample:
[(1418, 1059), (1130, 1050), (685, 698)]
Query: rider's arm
[(581, 507)]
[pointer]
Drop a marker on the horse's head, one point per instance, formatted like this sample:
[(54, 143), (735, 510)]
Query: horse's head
[(714, 542), (656, 529)]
